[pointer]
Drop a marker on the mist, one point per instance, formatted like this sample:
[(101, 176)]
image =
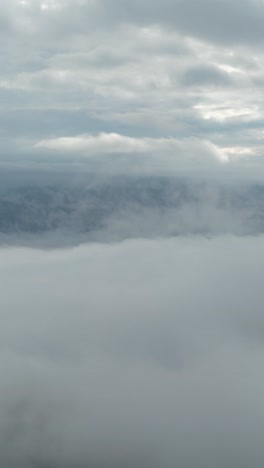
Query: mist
[(65, 208), (140, 353)]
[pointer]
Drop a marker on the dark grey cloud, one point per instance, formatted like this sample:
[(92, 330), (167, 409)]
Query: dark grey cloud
[(224, 22), (206, 76)]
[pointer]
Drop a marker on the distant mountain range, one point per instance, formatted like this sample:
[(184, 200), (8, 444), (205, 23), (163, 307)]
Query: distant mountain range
[(119, 207)]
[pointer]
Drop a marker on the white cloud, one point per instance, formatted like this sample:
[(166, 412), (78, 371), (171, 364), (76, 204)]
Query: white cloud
[(105, 143), (191, 151)]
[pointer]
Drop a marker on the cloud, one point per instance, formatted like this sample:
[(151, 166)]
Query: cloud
[(147, 71), (126, 120), (206, 76), (108, 143), (241, 22), (132, 353), (222, 22)]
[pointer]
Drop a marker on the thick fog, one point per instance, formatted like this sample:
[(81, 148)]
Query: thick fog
[(143, 353)]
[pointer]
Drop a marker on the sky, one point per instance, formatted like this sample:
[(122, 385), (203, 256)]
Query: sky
[(119, 76), (131, 233)]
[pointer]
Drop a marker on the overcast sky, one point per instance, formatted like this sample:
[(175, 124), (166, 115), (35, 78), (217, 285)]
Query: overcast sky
[(106, 76)]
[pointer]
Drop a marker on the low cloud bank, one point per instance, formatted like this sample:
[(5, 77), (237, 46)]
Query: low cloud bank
[(191, 151)]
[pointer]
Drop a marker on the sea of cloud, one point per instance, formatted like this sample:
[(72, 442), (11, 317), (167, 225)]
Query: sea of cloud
[(140, 353)]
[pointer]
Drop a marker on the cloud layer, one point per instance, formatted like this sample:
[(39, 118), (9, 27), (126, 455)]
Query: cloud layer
[(140, 353), (146, 71)]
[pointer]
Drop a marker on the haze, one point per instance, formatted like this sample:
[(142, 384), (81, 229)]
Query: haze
[(131, 234)]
